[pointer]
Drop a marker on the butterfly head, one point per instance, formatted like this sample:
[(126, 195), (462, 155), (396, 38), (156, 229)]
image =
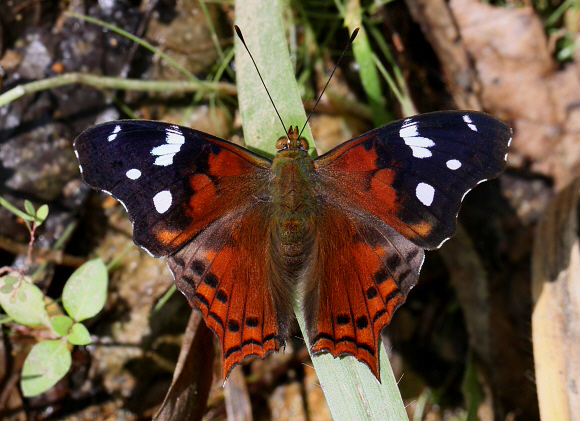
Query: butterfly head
[(292, 141)]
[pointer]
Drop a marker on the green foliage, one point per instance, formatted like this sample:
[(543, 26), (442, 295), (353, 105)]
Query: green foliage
[(83, 296), (85, 292), (470, 388), (62, 324), (42, 213), (47, 363), (561, 24), (372, 53), (79, 335), (30, 214), (22, 300)]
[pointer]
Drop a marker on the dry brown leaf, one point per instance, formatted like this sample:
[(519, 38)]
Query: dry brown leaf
[(438, 27), (520, 82), (192, 379), (238, 405), (11, 405), (556, 315)]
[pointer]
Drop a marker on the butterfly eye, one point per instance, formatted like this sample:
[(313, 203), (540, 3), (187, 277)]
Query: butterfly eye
[(304, 144), (282, 143)]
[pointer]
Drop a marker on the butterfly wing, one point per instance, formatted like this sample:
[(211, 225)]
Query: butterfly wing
[(382, 198), (364, 270), (222, 272), (414, 173), (204, 202), (172, 180)]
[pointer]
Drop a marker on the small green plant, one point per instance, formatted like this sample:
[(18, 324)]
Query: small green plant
[(561, 25), (83, 297)]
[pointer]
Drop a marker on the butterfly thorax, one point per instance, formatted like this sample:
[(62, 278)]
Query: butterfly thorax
[(292, 194)]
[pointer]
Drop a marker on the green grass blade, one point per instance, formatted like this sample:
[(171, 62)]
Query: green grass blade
[(352, 391), (262, 27), (369, 75)]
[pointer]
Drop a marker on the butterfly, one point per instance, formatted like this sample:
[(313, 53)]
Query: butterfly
[(344, 233)]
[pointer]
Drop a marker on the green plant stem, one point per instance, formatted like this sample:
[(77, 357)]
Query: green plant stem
[(214, 37), (115, 262), (398, 85), (163, 299), (57, 245), (406, 104), (114, 83)]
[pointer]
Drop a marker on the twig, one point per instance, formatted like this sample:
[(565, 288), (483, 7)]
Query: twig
[(54, 256), (115, 83)]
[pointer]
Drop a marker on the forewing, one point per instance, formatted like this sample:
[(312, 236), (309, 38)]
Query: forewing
[(414, 173), (363, 272), (224, 272), (172, 180)]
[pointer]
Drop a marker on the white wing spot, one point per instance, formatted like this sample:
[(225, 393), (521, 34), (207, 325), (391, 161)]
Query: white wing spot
[(469, 123), (505, 158), (133, 174), (419, 145), (166, 152), (162, 201), (425, 193), (509, 141), (453, 164), (113, 135)]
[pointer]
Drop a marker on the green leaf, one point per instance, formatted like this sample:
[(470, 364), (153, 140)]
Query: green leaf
[(29, 208), (29, 309), (10, 280), (79, 335), (62, 324), (352, 391), (46, 364), (41, 213), (13, 209), (7, 289), (85, 292)]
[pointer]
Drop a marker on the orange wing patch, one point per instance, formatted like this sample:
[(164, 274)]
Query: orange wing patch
[(222, 178), (224, 273), (359, 175), (363, 273)]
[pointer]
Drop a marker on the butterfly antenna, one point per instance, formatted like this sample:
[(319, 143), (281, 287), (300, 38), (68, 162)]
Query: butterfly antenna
[(239, 32), (352, 37)]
